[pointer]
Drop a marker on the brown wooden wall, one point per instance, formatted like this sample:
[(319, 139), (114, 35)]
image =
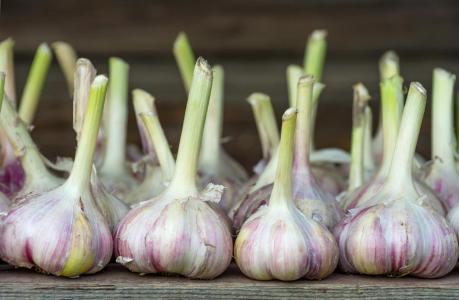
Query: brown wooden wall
[(253, 40)]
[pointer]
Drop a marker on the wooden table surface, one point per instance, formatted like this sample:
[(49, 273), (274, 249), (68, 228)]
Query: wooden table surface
[(117, 282)]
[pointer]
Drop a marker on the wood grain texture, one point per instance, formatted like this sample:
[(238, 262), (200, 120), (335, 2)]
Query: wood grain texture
[(117, 282), (233, 27)]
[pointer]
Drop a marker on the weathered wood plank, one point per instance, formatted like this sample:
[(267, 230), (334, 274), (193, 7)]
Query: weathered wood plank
[(117, 282), (257, 28)]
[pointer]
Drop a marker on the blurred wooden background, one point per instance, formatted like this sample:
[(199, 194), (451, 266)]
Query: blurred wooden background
[(253, 40)]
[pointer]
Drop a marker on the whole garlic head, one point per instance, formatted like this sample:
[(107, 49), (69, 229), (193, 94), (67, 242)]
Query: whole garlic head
[(61, 231), (393, 233), (278, 241), (178, 231)]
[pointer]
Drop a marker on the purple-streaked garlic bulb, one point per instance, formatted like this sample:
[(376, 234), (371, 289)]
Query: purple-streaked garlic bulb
[(441, 173), (178, 231), (12, 176), (392, 234), (392, 105), (215, 164), (159, 161), (114, 171), (61, 231), (278, 241)]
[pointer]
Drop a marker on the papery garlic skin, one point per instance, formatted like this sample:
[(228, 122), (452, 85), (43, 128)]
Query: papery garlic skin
[(58, 236), (111, 208), (396, 239), (284, 245), (142, 245)]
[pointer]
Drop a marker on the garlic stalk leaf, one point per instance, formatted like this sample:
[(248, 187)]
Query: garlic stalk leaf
[(314, 56), (34, 84), (180, 220), (157, 177), (441, 174), (389, 66), (67, 59), (114, 171), (4, 201), (7, 67)]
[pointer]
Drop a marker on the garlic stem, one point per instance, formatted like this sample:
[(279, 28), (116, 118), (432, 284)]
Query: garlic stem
[(265, 120), (361, 97), (316, 92), (457, 122), (305, 105), (163, 151), (211, 141), (115, 117), (67, 59), (185, 59), (400, 175), (443, 140), (84, 75), (144, 103), (184, 180), (392, 106), (2, 87), (7, 67), (22, 143), (314, 57), (294, 73), (282, 189), (34, 84), (368, 158), (389, 65), (81, 172)]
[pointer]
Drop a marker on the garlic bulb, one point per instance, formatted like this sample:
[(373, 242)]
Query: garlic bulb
[(392, 104), (313, 201), (61, 231), (441, 174), (278, 241), (215, 164), (154, 140), (114, 171), (178, 231), (392, 234), (13, 176)]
